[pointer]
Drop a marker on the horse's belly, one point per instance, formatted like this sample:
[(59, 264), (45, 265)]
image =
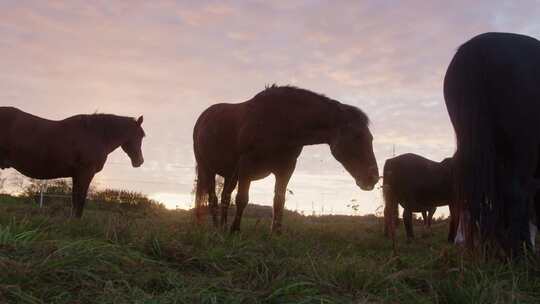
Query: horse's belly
[(42, 172), (39, 167), (259, 174), (420, 206)]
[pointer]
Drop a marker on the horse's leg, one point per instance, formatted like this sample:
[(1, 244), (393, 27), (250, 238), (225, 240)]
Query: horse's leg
[(536, 206), (454, 222), (431, 212), (81, 182), (517, 195), (280, 190), (533, 229), (425, 217), (228, 187), (407, 221), (462, 220), (3, 160), (213, 200), (535, 218), (242, 198)]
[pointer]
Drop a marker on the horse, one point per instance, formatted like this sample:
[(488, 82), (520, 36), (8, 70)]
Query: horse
[(75, 147), (264, 135), (418, 185), (492, 94)]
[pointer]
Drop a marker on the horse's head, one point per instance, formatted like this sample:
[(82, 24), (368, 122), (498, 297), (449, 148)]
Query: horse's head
[(352, 146), (133, 143)]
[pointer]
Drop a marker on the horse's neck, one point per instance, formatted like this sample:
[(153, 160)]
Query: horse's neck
[(317, 136), (112, 144), (318, 129), (113, 135)]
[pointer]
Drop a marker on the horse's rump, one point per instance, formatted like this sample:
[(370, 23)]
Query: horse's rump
[(492, 107)]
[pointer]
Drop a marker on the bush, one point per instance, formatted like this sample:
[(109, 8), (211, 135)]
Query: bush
[(58, 192), (124, 200)]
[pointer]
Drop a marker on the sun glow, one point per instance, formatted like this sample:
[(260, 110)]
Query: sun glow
[(174, 200)]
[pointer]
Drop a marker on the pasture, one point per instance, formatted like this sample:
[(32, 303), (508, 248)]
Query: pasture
[(158, 256)]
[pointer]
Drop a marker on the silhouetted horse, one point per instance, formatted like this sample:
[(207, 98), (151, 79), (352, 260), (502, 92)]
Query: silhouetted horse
[(492, 93), (249, 140), (75, 147), (418, 185)]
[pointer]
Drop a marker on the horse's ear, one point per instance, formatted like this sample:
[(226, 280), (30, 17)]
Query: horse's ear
[(140, 120)]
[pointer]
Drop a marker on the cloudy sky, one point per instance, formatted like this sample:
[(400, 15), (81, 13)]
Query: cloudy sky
[(170, 60)]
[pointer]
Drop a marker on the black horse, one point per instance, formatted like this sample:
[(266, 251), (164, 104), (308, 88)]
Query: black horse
[(418, 185), (492, 93)]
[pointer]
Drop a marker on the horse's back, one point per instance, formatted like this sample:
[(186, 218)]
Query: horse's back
[(7, 115), (406, 171), (406, 165), (8, 111), (20, 124), (493, 43)]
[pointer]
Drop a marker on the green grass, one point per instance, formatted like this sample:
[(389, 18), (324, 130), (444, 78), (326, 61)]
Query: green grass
[(161, 257)]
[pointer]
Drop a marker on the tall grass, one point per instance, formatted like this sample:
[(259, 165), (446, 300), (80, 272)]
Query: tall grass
[(122, 257)]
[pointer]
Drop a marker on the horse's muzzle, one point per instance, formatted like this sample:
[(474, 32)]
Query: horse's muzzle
[(137, 163), (365, 186)]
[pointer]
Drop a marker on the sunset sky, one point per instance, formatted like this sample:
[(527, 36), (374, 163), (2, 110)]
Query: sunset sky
[(170, 60)]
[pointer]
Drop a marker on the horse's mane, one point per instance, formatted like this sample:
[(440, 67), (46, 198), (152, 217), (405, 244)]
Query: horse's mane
[(277, 89), (108, 122), (351, 112), (354, 113)]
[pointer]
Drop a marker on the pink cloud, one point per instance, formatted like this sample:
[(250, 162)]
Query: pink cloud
[(171, 60)]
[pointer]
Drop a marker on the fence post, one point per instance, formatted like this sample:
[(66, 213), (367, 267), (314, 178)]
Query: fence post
[(41, 198)]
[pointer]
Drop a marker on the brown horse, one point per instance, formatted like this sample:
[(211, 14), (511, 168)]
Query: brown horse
[(249, 140), (418, 185), (75, 147)]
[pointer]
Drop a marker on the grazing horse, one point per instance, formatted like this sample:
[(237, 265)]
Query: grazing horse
[(250, 140), (75, 147), (418, 185), (492, 93)]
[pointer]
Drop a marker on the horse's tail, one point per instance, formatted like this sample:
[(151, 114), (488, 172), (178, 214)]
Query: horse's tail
[(475, 166), (201, 195), (391, 211)]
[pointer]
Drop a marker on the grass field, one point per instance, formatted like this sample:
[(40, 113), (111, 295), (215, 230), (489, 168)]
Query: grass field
[(159, 257)]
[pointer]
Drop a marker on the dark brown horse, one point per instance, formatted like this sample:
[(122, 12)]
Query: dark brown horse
[(418, 185), (492, 93), (250, 140), (75, 147)]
